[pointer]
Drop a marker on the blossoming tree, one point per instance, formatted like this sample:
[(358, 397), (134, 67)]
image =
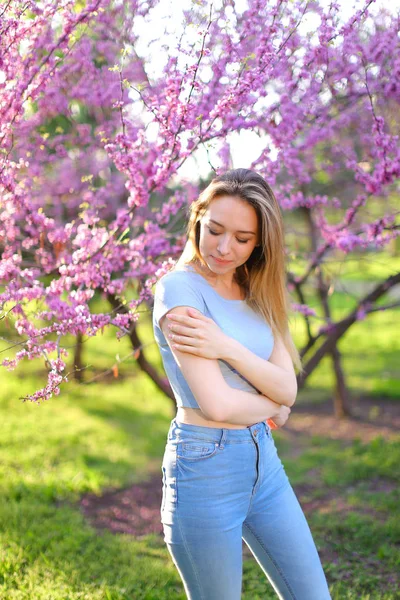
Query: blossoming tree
[(91, 138)]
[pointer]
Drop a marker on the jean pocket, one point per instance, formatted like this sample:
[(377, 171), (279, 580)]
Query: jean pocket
[(196, 449)]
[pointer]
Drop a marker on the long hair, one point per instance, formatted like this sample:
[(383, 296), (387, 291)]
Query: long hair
[(263, 275)]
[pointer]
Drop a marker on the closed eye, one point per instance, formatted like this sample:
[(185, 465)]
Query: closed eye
[(216, 233)]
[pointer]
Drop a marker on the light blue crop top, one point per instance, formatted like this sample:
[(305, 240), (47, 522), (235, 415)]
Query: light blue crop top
[(185, 287)]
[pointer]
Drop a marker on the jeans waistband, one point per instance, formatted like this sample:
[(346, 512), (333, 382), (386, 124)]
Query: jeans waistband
[(216, 434)]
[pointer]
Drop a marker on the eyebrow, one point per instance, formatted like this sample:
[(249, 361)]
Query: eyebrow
[(239, 230)]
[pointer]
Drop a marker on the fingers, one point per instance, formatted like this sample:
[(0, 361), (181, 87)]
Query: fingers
[(181, 330), (189, 319), (182, 339)]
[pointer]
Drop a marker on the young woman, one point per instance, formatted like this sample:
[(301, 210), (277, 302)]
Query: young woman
[(221, 322)]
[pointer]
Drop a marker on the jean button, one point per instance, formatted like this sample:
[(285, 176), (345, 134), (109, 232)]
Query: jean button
[(255, 433)]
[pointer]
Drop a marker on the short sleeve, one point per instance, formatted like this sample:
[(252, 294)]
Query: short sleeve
[(175, 289)]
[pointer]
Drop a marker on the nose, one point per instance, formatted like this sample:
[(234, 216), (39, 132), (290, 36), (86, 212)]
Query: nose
[(224, 245)]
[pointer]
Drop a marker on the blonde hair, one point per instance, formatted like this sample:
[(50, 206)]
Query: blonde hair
[(263, 275)]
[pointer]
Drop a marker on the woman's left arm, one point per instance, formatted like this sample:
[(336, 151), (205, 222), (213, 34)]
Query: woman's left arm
[(274, 377)]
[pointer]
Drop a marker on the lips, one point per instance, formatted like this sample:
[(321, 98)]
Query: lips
[(222, 262)]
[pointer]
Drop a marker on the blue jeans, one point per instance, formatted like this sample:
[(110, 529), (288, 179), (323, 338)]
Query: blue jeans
[(222, 485)]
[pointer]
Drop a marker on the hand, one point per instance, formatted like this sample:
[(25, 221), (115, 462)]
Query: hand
[(280, 419), (197, 334)]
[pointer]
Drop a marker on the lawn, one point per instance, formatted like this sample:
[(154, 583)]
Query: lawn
[(110, 434)]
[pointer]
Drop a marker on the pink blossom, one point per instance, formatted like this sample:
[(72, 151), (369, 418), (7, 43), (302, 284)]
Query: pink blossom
[(92, 198)]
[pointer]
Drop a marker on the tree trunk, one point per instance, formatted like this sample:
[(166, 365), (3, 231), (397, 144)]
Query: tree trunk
[(342, 397), (161, 382), (78, 372)]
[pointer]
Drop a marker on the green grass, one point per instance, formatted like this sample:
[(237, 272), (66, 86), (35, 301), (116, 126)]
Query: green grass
[(111, 433), (97, 437), (50, 552), (91, 439), (354, 493)]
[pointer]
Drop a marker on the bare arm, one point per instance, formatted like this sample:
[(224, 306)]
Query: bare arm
[(217, 400), (244, 408), (274, 377)]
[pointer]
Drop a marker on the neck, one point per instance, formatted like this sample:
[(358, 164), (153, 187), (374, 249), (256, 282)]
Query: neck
[(228, 280)]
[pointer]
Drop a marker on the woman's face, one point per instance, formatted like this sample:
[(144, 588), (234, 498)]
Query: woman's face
[(228, 230)]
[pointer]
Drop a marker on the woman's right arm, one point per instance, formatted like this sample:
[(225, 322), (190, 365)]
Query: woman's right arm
[(217, 400)]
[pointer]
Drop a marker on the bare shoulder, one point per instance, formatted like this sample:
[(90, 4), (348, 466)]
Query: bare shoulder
[(177, 310)]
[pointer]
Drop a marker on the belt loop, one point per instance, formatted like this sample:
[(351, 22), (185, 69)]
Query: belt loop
[(223, 438), (267, 428)]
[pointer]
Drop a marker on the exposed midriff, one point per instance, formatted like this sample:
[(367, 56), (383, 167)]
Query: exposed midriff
[(194, 416)]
